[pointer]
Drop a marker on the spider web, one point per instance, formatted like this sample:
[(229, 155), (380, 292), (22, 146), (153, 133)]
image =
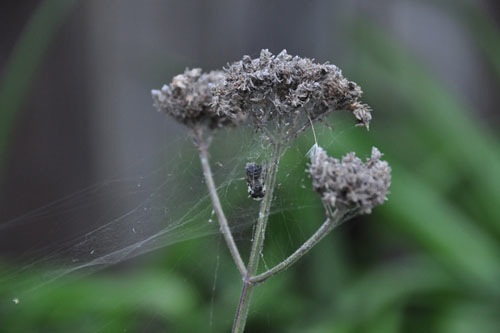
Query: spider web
[(154, 209)]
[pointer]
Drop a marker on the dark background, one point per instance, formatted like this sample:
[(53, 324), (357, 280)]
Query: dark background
[(75, 109)]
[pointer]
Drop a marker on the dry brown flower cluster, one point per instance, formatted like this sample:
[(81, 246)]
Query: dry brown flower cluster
[(188, 99), (285, 92), (276, 92), (350, 184)]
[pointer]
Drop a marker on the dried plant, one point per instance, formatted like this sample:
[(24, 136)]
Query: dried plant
[(350, 184), (188, 99), (279, 96), (283, 93)]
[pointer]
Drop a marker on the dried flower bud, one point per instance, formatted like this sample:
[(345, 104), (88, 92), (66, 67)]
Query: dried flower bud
[(283, 92), (189, 98), (350, 183)]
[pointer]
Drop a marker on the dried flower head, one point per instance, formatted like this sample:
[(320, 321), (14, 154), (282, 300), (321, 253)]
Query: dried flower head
[(189, 97), (350, 184), (285, 92)]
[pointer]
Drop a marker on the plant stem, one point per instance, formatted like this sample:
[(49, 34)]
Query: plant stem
[(335, 220), (221, 217), (258, 242)]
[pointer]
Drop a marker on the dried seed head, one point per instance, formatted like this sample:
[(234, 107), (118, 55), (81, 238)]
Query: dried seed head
[(350, 183), (189, 97), (283, 91)]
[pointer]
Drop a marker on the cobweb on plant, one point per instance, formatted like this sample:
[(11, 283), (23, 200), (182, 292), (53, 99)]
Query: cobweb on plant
[(147, 211)]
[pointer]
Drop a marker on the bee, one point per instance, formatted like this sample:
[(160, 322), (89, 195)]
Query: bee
[(255, 180)]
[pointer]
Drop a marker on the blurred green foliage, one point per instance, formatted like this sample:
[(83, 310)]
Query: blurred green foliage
[(426, 261), (24, 61)]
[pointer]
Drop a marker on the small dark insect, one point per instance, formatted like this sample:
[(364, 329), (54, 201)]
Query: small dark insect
[(255, 180)]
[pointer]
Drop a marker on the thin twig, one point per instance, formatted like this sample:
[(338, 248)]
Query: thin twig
[(221, 217)]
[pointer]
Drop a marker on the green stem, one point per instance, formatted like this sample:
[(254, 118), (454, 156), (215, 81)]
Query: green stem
[(258, 242)]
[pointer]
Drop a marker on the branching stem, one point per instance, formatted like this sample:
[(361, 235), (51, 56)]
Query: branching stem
[(258, 241), (335, 220)]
